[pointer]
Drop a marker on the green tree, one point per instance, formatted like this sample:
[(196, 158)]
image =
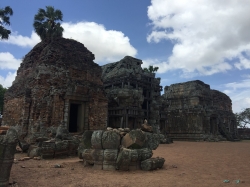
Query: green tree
[(243, 118), (5, 20), (46, 23), (151, 69), (2, 91)]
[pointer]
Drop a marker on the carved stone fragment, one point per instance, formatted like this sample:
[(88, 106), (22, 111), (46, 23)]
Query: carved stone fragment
[(85, 142), (110, 140), (152, 163), (96, 139), (87, 156), (135, 139), (153, 140), (110, 156), (124, 159), (86, 139)]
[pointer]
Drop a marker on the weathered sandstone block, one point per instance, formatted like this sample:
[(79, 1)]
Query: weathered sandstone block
[(110, 140), (110, 156), (87, 156), (153, 140), (135, 139), (124, 159), (96, 139)]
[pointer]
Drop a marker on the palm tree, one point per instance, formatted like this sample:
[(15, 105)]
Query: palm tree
[(46, 23), (5, 20), (151, 69)]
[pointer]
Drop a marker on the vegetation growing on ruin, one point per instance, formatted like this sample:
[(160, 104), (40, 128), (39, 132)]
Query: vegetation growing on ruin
[(151, 69), (47, 23)]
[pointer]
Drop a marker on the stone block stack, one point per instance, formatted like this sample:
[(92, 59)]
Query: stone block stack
[(61, 144), (120, 149)]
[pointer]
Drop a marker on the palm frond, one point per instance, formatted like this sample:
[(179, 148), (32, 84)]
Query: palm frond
[(46, 23)]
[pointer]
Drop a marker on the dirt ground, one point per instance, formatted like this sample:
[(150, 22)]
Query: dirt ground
[(188, 164)]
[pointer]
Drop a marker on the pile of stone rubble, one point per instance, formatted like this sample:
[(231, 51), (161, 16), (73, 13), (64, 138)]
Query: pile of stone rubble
[(120, 149), (60, 144)]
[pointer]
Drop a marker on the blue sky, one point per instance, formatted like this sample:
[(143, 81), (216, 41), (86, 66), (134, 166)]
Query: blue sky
[(205, 40)]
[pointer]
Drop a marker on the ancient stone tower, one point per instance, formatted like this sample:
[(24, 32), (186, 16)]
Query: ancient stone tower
[(132, 94), (57, 83), (192, 110)]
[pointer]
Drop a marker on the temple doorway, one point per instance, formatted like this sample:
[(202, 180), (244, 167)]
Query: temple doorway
[(213, 125), (75, 117)]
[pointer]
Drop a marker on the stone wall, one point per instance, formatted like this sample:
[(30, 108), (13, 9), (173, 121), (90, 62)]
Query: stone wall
[(56, 83)]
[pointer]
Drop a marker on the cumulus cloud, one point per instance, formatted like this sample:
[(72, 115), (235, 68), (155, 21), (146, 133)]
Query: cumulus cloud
[(239, 92), (244, 62), (207, 35), (23, 41), (107, 45), (7, 81), (8, 61)]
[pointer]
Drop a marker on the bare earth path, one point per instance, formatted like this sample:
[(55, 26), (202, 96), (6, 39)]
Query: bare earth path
[(198, 164)]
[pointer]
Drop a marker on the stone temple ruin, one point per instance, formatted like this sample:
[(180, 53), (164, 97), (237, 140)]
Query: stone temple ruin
[(196, 112), (59, 88), (186, 111), (56, 84), (62, 103), (132, 94)]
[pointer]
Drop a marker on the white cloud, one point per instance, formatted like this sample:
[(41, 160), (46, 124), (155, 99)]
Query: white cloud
[(8, 61), (238, 85), (23, 41), (206, 34), (244, 63), (107, 45), (7, 81), (239, 92)]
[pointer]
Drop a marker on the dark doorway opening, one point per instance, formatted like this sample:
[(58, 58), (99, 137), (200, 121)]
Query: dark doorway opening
[(212, 125), (73, 118)]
